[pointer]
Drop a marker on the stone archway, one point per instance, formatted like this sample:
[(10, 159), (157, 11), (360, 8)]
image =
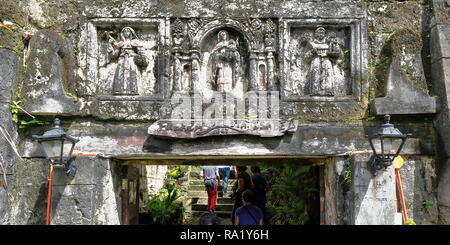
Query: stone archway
[(217, 24)]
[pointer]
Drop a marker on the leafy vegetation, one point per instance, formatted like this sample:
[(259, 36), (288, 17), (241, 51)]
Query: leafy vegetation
[(74, 97), (348, 174), (165, 208), (177, 172), (15, 108), (410, 222), (289, 199), (426, 204)]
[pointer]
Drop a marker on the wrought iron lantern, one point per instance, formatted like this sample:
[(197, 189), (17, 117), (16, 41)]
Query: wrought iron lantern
[(386, 143), (57, 146)]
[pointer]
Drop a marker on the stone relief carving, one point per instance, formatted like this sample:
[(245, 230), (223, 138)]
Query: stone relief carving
[(316, 64), (126, 60), (130, 58), (180, 36), (225, 62), (191, 129), (323, 56), (223, 55)]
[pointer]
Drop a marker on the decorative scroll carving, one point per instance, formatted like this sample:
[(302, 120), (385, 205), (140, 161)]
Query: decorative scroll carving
[(190, 129), (180, 36), (270, 35)]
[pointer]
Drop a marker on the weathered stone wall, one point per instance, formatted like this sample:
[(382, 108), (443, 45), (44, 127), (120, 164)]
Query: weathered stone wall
[(354, 196), (398, 67), (92, 197), (9, 74), (440, 62)]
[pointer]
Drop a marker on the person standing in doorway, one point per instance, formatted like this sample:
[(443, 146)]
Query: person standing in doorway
[(211, 178), (224, 172), (260, 188), (244, 182)]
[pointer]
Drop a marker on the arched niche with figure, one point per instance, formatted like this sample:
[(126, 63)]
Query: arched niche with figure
[(224, 60)]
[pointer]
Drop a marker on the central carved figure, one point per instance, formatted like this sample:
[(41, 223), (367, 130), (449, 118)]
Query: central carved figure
[(129, 51), (322, 56), (226, 61)]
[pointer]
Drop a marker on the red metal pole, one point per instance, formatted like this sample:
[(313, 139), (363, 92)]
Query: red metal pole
[(49, 197), (400, 190)]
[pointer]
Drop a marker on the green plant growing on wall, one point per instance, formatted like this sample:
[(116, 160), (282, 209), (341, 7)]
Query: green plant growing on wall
[(15, 109), (348, 176), (164, 207), (426, 204), (74, 97)]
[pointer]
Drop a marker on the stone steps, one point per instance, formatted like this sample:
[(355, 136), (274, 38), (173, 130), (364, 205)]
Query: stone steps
[(219, 207), (202, 187), (202, 193), (198, 199), (193, 218), (201, 182), (203, 200)]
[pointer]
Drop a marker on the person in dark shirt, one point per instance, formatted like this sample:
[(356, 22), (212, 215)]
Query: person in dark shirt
[(248, 214), (244, 182), (260, 188)]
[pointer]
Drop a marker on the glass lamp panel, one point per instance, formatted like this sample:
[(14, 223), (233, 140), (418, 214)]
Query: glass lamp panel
[(387, 146), (67, 149), (391, 145), (376, 145), (52, 148)]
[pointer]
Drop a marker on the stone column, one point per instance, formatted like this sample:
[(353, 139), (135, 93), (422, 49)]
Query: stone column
[(440, 75), (270, 72), (253, 72), (177, 72), (195, 72)]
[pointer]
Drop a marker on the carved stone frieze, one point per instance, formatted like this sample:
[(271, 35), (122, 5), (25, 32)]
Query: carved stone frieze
[(150, 59), (190, 129)]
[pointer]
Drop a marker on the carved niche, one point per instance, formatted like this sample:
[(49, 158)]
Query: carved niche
[(225, 55), (123, 61), (321, 60)]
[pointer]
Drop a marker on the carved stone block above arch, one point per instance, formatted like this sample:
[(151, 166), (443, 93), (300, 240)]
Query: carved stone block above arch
[(123, 58), (323, 60)]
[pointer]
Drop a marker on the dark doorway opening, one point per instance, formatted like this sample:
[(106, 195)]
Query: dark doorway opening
[(296, 195)]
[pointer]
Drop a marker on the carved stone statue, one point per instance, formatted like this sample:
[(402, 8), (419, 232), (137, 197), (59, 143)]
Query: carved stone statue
[(130, 59), (225, 59), (322, 56)]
